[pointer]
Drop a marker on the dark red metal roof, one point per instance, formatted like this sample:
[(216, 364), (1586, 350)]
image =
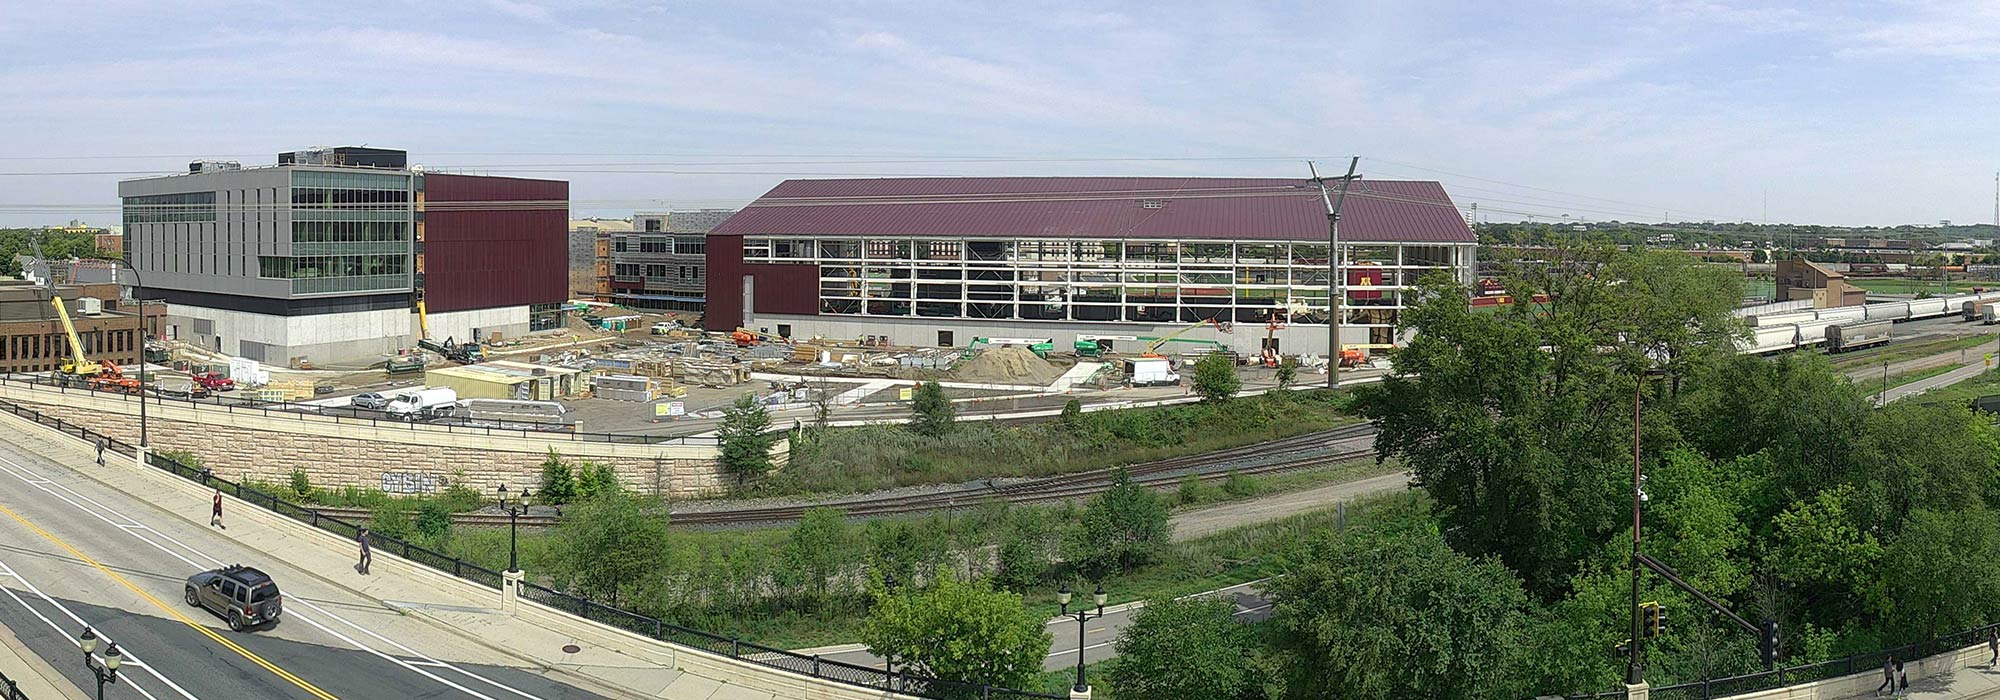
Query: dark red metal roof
[(1101, 207)]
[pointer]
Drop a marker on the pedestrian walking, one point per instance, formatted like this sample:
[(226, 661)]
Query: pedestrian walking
[(1993, 645), (1888, 676), (366, 556), (215, 512), (1902, 681), (100, 452)]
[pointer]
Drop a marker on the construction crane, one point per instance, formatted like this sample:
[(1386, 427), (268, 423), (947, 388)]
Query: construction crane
[(1153, 347), (78, 368)]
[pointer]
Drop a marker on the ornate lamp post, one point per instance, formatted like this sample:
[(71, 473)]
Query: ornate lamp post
[(105, 671), (1082, 615)]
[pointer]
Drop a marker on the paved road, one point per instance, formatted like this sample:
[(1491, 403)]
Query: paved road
[(74, 553), (1949, 378), (1100, 635)]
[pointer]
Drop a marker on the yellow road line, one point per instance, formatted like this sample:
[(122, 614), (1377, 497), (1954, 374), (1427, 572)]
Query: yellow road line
[(172, 611)]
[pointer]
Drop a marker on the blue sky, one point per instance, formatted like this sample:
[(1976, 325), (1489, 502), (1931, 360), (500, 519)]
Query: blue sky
[(1841, 112)]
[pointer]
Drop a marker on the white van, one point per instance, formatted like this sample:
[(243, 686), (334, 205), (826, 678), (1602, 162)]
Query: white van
[(1150, 371)]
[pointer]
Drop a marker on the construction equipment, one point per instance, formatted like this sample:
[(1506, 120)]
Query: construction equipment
[(405, 364), (746, 338), (77, 368), (1153, 347), (1040, 346), (462, 353), (1093, 345)]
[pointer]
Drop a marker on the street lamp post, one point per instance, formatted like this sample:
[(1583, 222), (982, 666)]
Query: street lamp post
[(1082, 615), (105, 671), (1635, 667), (139, 299), (513, 526)]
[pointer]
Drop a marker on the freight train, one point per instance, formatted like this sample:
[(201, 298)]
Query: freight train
[(1849, 327)]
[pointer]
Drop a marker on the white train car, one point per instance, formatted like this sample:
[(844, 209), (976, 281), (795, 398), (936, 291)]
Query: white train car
[(1844, 314), (1781, 319), (1769, 339), (1814, 333), (1929, 308), (1887, 311)]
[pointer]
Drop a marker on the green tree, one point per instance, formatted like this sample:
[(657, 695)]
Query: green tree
[(1023, 552), (1514, 421), (1396, 615), (1184, 648), (594, 478), (1759, 256), (746, 447), (1124, 528), (1937, 457), (1824, 549), (1072, 415), (433, 524), (816, 551), (1288, 372), (1215, 377), (302, 488), (931, 412), (1940, 576), (608, 544), (558, 480), (960, 630)]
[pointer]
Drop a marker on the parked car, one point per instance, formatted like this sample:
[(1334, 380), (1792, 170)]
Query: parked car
[(182, 389), (242, 595), (371, 400)]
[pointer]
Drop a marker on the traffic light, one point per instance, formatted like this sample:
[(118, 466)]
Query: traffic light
[(1649, 620), (1767, 644), (1622, 650)]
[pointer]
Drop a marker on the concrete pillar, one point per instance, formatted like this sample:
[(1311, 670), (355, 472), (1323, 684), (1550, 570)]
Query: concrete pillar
[(139, 455), (1637, 692), (1075, 694), (510, 591)]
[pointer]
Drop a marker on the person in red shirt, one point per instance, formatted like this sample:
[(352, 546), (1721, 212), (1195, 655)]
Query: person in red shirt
[(215, 513)]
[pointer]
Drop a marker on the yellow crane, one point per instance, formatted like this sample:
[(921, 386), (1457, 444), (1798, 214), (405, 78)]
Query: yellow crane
[(77, 365)]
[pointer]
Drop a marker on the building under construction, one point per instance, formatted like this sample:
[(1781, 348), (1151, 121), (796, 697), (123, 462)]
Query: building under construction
[(949, 261)]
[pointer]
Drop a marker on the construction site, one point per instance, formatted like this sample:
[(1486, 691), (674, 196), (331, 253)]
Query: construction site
[(614, 370)]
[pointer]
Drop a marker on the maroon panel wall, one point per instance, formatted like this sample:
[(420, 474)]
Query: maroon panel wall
[(494, 241), (780, 288)]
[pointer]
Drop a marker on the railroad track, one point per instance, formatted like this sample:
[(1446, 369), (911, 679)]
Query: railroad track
[(1301, 452)]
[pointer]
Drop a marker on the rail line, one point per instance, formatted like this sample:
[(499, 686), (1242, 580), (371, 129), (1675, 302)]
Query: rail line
[(1300, 452)]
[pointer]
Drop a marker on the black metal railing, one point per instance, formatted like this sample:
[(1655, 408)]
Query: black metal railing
[(10, 691), (655, 628), (305, 411), (1711, 688)]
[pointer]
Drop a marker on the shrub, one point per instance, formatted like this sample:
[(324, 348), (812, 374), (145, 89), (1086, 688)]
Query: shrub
[(1239, 485), (558, 481), (1190, 491), (433, 524), (931, 412), (301, 484), (1215, 377)]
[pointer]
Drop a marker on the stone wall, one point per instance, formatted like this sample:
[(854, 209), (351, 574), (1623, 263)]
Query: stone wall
[(346, 452)]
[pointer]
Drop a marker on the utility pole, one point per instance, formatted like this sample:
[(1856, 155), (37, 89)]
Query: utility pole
[(1333, 299)]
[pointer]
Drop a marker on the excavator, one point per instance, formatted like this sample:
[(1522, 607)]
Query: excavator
[(746, 338)]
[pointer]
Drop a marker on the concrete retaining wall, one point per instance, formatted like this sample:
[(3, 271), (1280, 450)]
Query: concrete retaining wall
[(350, 452)]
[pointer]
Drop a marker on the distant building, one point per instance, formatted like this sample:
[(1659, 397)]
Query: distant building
[(324, 257), (32, 338), (941, 261), (662, 262), (583, 255), (1802, 279)]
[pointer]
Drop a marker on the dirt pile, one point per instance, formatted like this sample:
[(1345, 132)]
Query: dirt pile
[(1009, 365)]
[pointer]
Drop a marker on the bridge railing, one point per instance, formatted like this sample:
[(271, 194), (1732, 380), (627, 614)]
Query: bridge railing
[(643, 625), (304, 411), (10, 691), (1782, 676)]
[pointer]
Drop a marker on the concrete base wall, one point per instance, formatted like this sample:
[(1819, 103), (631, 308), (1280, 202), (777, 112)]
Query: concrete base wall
[(508, 321), (1246, 339), (354, 339), (350, 452)]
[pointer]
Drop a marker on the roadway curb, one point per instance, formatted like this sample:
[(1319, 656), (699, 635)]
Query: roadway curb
[(528, 664), (40, 677)]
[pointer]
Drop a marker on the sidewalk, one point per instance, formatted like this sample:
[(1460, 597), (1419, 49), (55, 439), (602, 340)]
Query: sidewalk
[(606, 661), (1970, 683), (31, 674)]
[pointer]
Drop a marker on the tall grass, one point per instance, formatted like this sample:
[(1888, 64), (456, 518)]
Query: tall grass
[(867, 458)]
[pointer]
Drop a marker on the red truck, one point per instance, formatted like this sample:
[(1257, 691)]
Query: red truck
[(214, 381)]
